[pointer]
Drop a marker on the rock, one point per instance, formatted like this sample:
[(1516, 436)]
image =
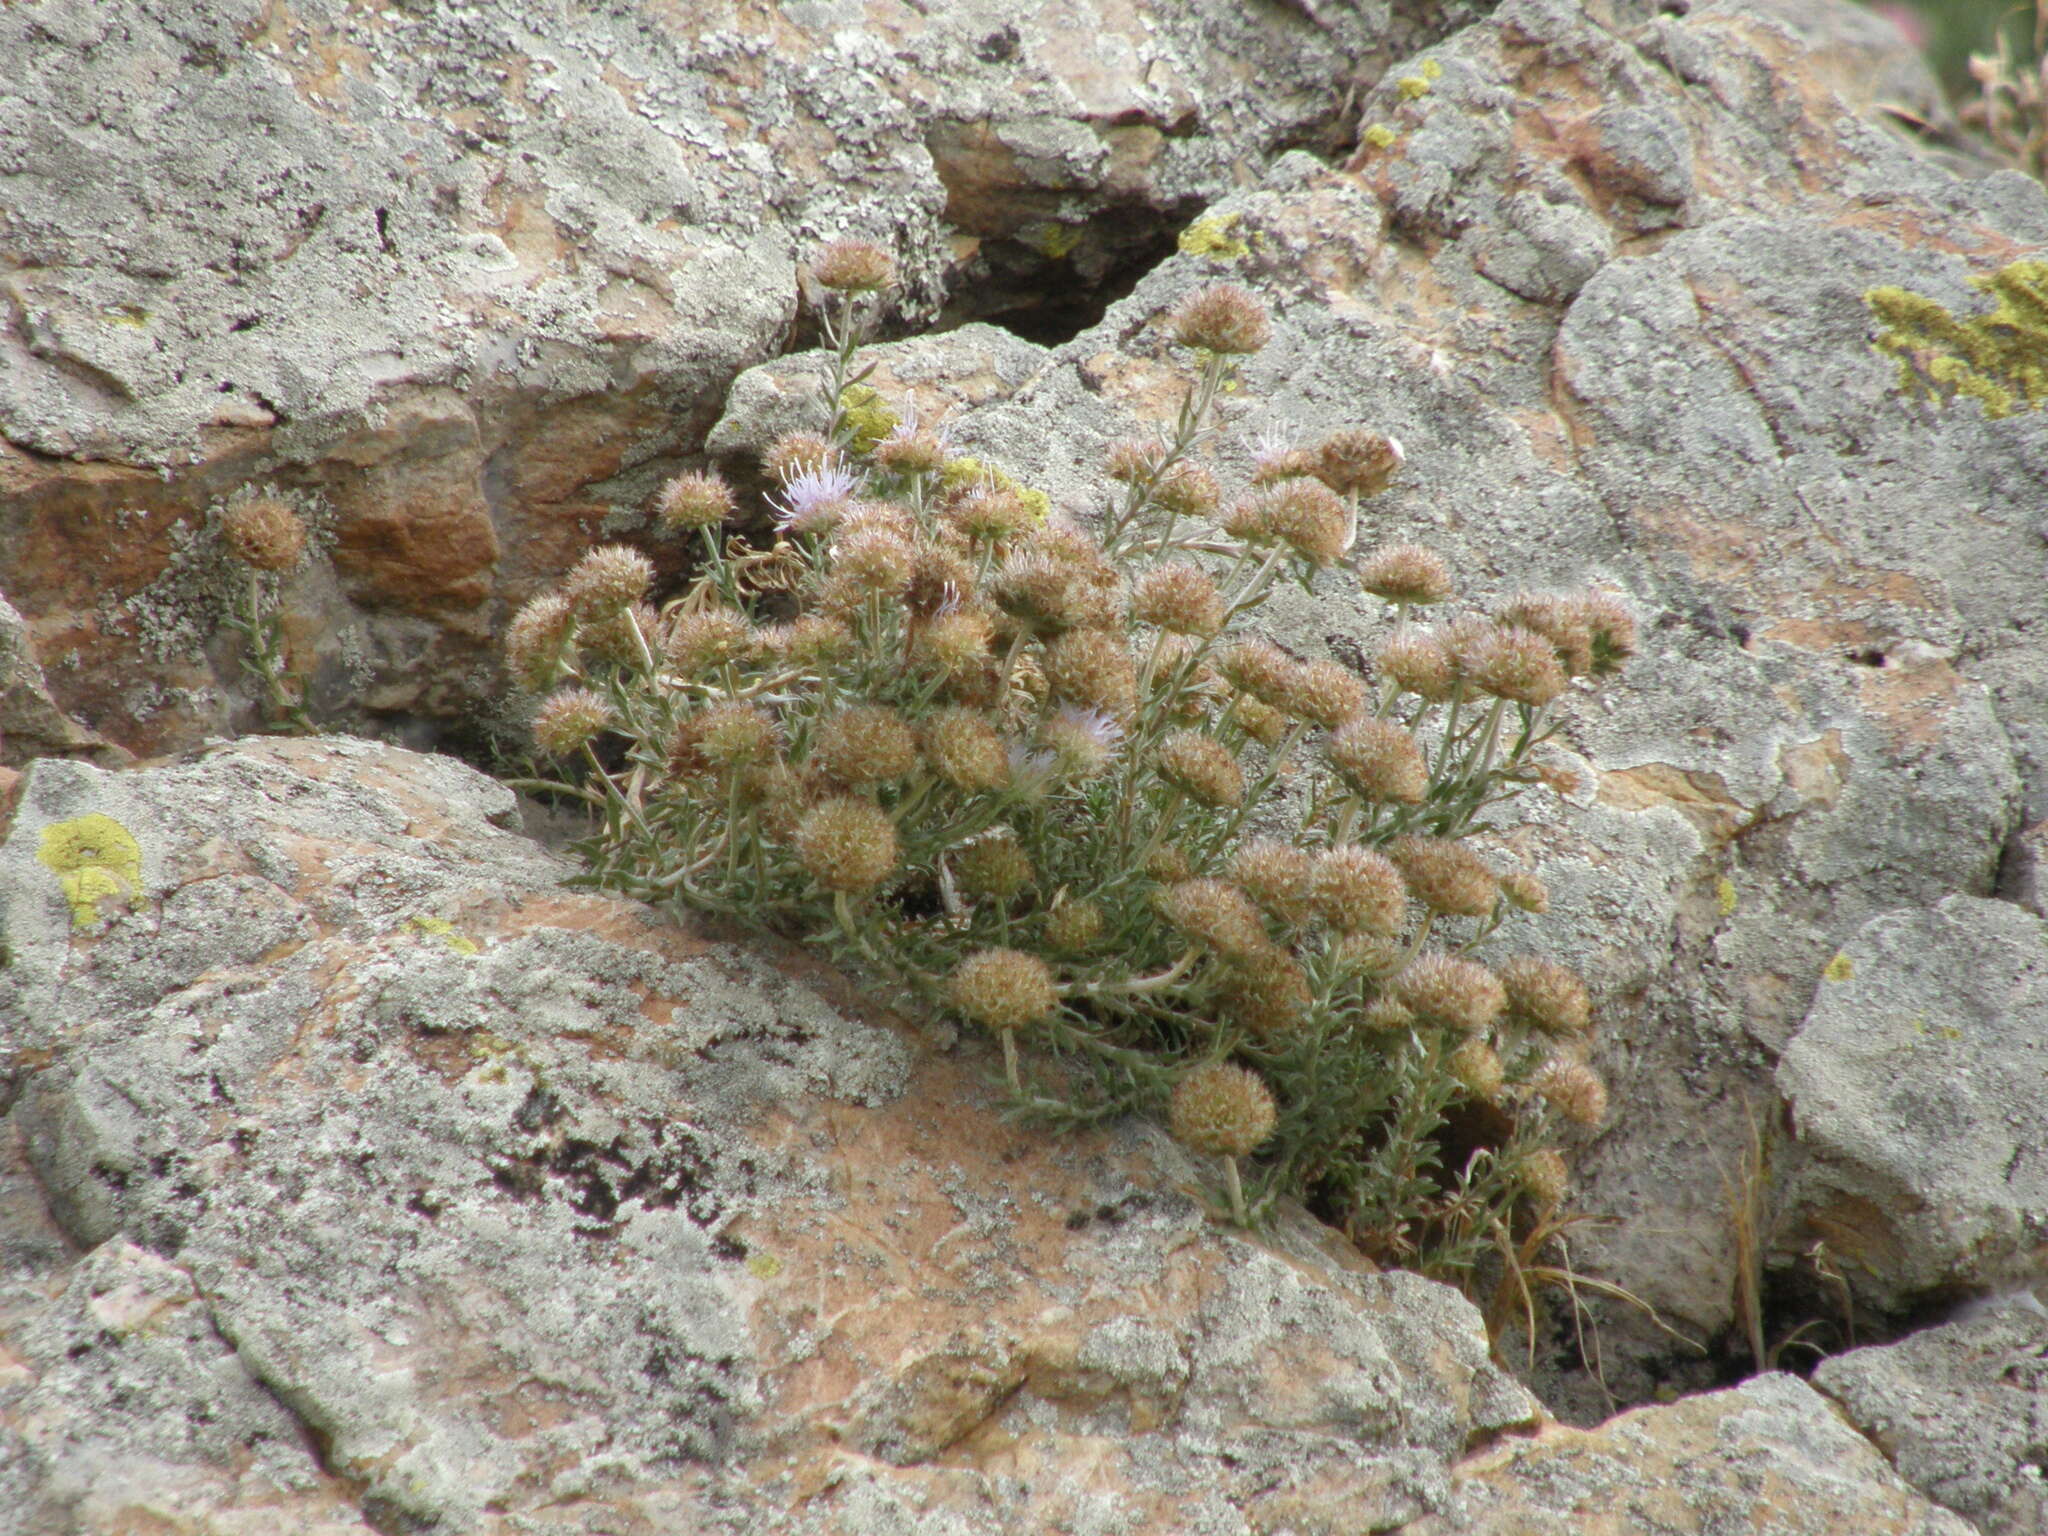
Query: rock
[(1914, 1089), (31, 724), (536, 1213), (470, 284), (1768, 1458), (1961, 1411), (1837, 709)]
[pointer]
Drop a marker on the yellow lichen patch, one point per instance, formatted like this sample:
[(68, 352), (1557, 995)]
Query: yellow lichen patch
[(1051, 239), (1212, 237), (1841, 968), (957, 474), (1380, 136), (764, 1266), (1412, 87), (2000, 359), (95, 859), (1725, 897), (440, 928), (867, 417)]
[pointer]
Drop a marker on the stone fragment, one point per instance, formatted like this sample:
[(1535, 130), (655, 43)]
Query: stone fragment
[(1961, 1410), (1915, 1093)]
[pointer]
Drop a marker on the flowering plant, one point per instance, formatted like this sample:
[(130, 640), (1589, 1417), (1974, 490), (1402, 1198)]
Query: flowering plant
[(1033, 769)]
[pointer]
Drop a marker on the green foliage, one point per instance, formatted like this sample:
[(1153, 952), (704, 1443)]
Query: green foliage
[(1032, 771), (2000, 359)]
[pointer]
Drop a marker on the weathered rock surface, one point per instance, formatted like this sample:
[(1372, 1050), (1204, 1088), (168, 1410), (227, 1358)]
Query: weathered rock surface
[(1769, 1458), (1915, 1089), (468, 282), (1961, 1411), (466, 1201)]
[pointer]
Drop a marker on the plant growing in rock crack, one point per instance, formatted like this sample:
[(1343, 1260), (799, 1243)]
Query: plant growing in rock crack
[(267, 537), (1028, 767)]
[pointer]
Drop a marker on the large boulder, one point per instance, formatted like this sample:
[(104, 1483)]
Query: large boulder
[(378, 1180), (465, 283)]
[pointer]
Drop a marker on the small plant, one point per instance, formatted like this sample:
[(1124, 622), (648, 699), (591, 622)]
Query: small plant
[(267, 537), (2010, 105), (1999, 359), (1034, 771)]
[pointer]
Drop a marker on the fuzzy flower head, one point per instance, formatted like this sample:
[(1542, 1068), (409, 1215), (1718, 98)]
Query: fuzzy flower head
[(1406, 573), (853, 266), (1545, 996), (1180, 598), (1074, 927), (1277, 457), (847, 845), (1083, 741), (1449, 993), (1217, 913), (1092, 669), (1574, 1090), (537, 639), (815, 497), (1003, 989), (864, 744), (1518, 665), (912, 449), (606, 581), (794, 452), (964, 750), (1279, 876), (264, 533), (1225, 319), (1356, 462), (1419, 664), (694, 501), (1202, 768), (1222, 1110), (1265, 993), (568, 719), (1355, 890), (994, 865), (700, 642), (1379, 761), (1446, 876)]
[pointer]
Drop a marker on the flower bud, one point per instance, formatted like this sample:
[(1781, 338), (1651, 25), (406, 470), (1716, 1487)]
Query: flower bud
[(694, 501), (1167, 865), (698, 644), (1074, 927), (909, 451), (847, 845), (1262, 670), (811, 641), (1131, 459), (1448, 993), (1201, 766), (1445, 875), (1279, 876), (1187, 490), (1417, 661), (1356, 461), (853, 266), (1260, 721), (622, 638), (991, 512), (264, 533), (1083, 742), (568, 719), (1264, 993), (1574, 1090), (1355, 890), (1545, 1178), (874, 560), (795, 454), (537, 639), (1217, 913), (1477, 1068), (1379, 761), (1307, 516), (965, 750), (1093, 669), (1544, 995), (1558, 620), (1179, 598), (863, 744), (953, 644), (994, 865), (1221, 1109), (1406, 573), (1613, 628), (1518, 665), (1323, 693), (721, 736), (1524, 891), (1003, 989), (606, 580), (1225, 319)]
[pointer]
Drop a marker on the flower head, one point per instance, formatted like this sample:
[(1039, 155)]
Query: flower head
[(1004, 989), (264, 533), (1221, 1109), (814, 498), (1225, 319), (847, 845), (854, 266)]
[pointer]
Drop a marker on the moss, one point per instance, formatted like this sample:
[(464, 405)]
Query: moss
[(1999, 360), (1725, 897), (1841, 968), (957, 474), (95, 859), (866, 416), (440, 928), (1211, 237), (1051, 239)]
